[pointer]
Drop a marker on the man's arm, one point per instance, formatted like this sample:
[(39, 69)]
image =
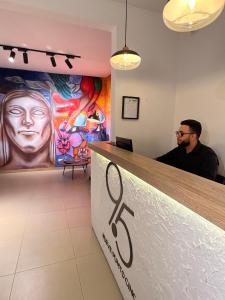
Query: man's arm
[(209, 167), (168, 158)]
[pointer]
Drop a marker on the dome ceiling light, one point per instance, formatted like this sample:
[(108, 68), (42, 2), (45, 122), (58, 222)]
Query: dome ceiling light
[(190, 15), (125, 59)]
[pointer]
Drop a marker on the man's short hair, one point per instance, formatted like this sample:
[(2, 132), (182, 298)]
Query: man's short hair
[(194, 125)]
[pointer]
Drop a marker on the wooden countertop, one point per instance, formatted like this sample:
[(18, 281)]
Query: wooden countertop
[(203, 196)]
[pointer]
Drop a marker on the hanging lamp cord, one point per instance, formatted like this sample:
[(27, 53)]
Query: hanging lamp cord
[(126, 26)]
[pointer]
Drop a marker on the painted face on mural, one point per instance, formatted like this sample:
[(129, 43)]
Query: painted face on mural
[(27, 124)]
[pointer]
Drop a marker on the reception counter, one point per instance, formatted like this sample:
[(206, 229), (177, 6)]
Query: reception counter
[(160, 228)]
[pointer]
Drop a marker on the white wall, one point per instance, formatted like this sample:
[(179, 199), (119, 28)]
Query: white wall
[(153, 82), (200, 92)]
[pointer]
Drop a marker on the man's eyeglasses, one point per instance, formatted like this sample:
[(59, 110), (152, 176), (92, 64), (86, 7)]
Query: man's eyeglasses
[(181, 133)]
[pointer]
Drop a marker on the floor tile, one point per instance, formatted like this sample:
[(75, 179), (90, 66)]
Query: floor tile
[(77, 201), (56, 282), (5, 287), (13, 204), (84, 241), (79, 196), (45, 248), (79, 217), (12, 226), (45, 203), (96, 278), (9, 253), (46, 222)]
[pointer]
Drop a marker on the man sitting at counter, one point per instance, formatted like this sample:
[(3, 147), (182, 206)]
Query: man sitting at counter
[(191, 155)]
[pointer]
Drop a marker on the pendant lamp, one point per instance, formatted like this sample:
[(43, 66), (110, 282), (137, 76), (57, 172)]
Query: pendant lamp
[(190, 15), (125, 59)]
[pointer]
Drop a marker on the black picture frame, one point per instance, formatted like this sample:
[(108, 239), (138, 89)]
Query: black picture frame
[(130, 107)]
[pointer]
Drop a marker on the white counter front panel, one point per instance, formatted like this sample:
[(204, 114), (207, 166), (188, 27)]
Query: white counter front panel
[(172, 253)]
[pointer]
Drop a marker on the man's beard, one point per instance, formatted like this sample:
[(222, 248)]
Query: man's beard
[(184, 144)]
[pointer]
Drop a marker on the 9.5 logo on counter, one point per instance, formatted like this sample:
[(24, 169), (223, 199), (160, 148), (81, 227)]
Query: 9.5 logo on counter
[(118, 215)]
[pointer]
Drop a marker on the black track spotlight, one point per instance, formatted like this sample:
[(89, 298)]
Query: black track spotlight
[(68, 63), (52, 58), (12, 56), (25, 57)]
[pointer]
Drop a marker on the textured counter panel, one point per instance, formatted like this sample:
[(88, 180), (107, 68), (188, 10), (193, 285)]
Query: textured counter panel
[(177, 254)]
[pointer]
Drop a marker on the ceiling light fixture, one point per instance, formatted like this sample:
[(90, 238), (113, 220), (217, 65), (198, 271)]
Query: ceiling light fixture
[(52, 58), (68, 62), (125, 59), (25, 57), (51, 54), (12, 56), (190, 15)]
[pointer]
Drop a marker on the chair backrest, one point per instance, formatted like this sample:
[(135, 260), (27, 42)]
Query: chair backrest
[(220, 179), (124, 143)]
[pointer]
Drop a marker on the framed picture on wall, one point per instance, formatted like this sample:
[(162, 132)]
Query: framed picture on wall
[(130, 107)]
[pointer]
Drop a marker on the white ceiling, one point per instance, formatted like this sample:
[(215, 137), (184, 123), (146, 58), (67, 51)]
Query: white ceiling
[(44, 33), (156, 5)]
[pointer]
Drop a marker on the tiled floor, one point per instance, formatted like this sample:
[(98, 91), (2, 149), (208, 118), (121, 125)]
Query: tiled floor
[(48, 250)]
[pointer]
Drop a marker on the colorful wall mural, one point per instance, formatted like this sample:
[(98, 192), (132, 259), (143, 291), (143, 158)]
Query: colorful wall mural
[(48, 118)]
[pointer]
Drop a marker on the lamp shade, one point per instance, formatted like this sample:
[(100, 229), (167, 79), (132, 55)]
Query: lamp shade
[(190, 15), (125, 59)]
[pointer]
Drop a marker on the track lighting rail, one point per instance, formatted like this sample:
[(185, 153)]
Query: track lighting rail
[(25, 51)]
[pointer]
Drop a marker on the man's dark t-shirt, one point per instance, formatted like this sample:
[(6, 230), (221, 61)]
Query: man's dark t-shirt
[(201, 161)]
